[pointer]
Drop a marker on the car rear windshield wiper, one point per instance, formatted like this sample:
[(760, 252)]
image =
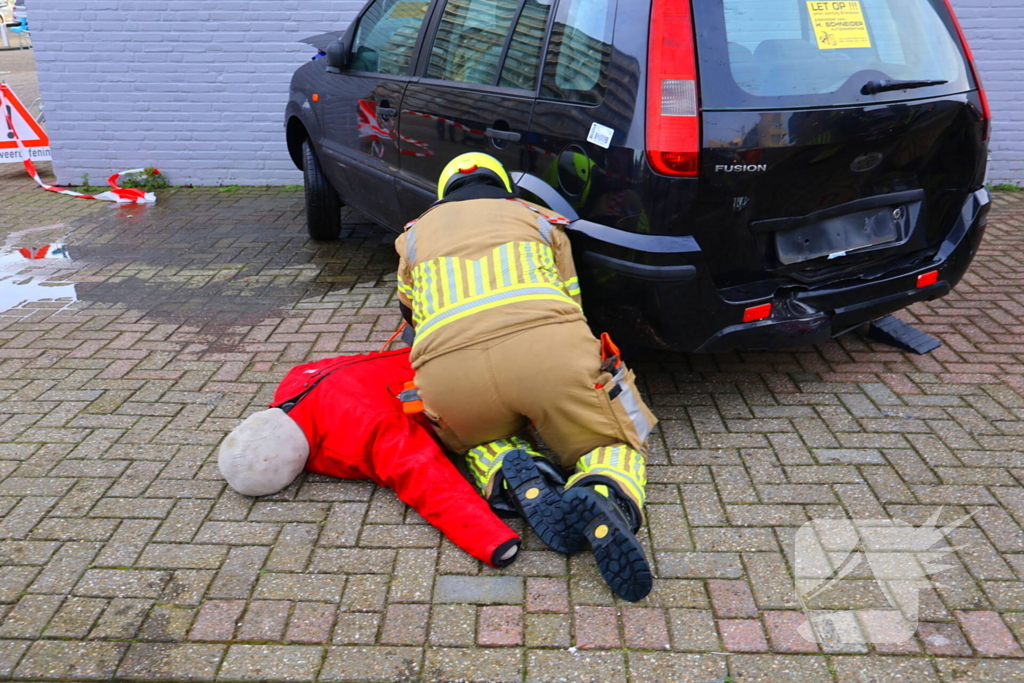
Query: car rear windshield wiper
[(874, 87)]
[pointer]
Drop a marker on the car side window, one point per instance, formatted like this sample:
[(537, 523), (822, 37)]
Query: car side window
[(386, 36), (524, 50), (470, 38), (580, 51)]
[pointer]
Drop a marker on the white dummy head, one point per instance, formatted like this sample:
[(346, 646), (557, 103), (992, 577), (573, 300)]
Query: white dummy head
[(263, 454)]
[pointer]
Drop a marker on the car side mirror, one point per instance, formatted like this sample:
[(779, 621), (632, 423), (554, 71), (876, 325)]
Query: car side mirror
[(338, 56)]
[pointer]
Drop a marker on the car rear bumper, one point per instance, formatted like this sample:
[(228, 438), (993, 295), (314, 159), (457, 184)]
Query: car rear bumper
[(657, 292)]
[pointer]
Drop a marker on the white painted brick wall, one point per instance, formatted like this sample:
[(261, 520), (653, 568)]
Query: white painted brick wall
[(198, 87), (995, 31)]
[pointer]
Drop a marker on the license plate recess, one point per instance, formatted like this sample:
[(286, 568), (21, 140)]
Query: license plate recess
[(838, 235)]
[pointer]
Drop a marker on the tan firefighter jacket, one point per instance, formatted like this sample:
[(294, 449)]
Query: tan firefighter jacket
[(477, 269)]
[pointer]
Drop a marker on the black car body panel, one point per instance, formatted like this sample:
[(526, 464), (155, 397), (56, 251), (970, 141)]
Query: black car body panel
[(440, 121), (826, 201), (363, 164), (301, 119), (810, 157)]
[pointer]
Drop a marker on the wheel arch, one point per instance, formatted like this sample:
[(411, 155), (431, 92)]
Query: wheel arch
[(296, 134)]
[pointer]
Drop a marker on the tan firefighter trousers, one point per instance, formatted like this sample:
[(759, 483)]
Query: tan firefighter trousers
[(550, 376)]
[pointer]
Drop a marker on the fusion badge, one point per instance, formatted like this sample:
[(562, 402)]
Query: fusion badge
[(741, 168)]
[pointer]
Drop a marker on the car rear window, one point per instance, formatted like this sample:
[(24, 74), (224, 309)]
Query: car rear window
[(764, 54)]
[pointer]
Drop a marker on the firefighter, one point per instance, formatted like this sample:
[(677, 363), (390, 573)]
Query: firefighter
[(342, 417), (501, 342)]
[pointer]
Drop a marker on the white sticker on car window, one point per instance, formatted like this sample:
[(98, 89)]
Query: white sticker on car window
[(601, 135)]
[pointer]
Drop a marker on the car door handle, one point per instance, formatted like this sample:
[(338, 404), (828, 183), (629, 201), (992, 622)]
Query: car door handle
[(387, 111), (509, 135)]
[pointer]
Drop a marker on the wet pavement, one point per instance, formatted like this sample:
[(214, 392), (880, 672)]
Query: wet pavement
[(144, 334)]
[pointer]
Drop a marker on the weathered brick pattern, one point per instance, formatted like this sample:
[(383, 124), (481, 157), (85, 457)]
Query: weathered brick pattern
[(995, 31), (123, 555), (196, 88)]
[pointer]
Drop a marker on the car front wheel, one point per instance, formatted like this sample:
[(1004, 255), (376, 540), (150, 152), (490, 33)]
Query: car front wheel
[(323, 206)]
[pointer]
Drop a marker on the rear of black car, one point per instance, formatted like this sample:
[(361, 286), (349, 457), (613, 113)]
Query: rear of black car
[(827, 159)]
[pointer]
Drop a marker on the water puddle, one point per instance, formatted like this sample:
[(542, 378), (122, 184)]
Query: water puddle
[(29, 260)]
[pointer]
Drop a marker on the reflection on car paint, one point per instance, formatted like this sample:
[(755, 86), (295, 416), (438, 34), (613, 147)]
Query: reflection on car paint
[(377, 131)]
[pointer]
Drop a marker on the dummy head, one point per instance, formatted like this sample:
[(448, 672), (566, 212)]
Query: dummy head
[(263, 454)]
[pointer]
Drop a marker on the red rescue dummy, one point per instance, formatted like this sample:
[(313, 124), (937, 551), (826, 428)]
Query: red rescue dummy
[(348, 410)]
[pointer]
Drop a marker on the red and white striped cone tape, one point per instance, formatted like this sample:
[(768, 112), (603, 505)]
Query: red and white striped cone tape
[(117, 193)]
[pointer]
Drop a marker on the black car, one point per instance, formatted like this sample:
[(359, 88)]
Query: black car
[(742, 173)]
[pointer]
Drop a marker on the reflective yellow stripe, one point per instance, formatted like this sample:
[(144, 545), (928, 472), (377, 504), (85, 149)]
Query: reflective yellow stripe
[(436, 284), (500, 270), (528, 255), (489, 278), (528, 263), (428, 294), (501, 297), (485, 460), (621, 464), (460, 288), (510, 253), (446, 282), (478, 279)]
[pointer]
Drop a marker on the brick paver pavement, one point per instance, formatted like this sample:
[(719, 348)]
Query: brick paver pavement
[(123, 555)]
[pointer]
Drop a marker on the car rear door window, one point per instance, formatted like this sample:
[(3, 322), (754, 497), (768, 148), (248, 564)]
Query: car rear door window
[(760, 54), (470, 39), (386, 36), (580, 51), (522, 61)]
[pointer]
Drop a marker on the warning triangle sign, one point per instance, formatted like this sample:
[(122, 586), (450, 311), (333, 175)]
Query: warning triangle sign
[(25, 129)]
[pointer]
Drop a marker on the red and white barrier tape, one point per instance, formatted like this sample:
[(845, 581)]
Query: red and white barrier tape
[(117, 193), (540, 150)]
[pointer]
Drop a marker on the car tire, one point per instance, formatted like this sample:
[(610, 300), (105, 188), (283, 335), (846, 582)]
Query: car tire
[(323, 206)]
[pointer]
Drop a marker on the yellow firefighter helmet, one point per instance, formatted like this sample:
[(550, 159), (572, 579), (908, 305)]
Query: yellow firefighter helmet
[(472, 163)]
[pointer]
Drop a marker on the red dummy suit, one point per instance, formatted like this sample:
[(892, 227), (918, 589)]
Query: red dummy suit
[(356, 429)]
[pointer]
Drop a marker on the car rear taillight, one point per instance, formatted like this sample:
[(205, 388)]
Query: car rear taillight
[(673, 124), (985, 111)]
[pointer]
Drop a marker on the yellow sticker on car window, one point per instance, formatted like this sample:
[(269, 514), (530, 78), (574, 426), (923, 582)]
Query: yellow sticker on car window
[(838, 24)]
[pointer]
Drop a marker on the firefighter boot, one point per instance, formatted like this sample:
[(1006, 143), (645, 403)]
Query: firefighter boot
[(534, 487), (610, 522)]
